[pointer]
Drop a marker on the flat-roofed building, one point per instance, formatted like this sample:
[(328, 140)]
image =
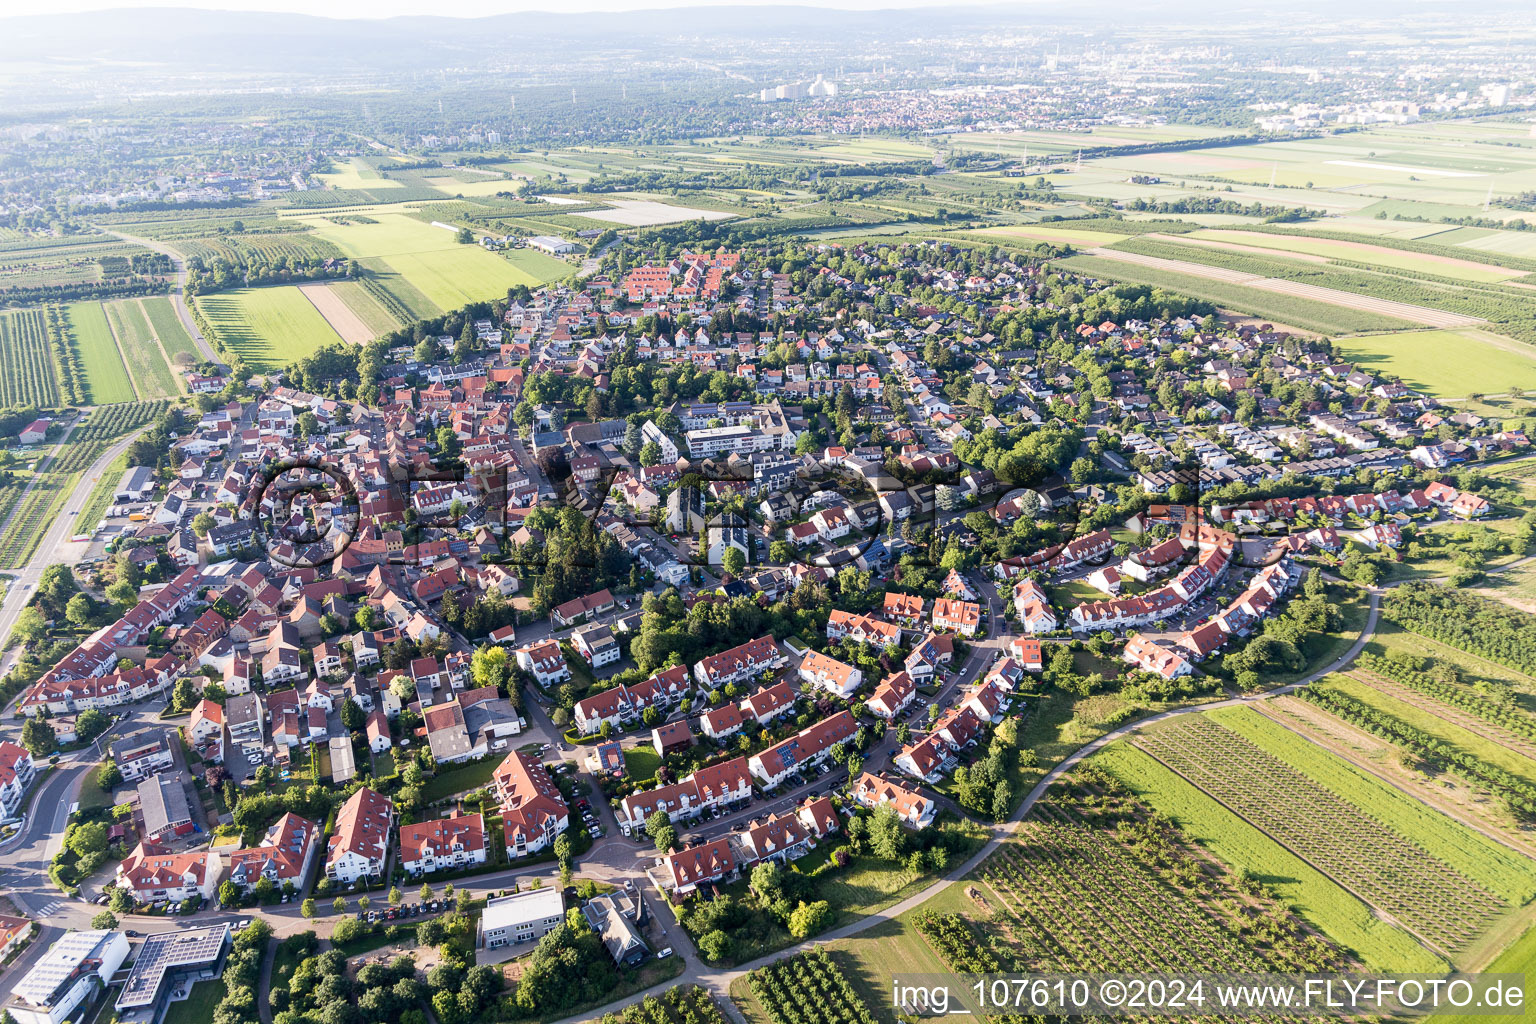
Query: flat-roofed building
[(66, 976), (167, 960), (508, 921)]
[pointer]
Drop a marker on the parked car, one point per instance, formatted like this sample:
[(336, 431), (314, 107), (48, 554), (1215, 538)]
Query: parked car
[(664, 953)]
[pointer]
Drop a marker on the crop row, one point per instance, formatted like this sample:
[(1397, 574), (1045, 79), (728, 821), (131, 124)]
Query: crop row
[(1466, 621), (66, 361), (26, 368), (1516, 792), (113, 421), (808, 989), (1380, 866), (1506, 716), (691, 1005)]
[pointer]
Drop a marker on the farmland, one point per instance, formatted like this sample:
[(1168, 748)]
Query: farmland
[(438, 269), (106, 377), (152, 377), (1445, 364), (178, 344), (266, 327), (1305, 313), (1492, 866), (1361, 252), (26, 367), (787, 991), (1439, 904), (1338, 913)]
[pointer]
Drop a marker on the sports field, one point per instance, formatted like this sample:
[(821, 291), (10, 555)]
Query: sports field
[(1446, 364), (267, 327), (105, 375)]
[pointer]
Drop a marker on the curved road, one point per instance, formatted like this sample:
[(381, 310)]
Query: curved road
[(176, 291)]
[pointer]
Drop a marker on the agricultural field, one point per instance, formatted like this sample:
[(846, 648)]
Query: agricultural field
[(330, 305), (1018, 145), (174, 339), (358, 173), (1449, 163), (26, 365), (1445, 364), (106, 376), (146, 361), (1334, 910), (805, 989), (374, 314), (1436, 902), (1363, 252), (1056, 232), (442, 271), (678, 1005), (266, 327), (641, 213), (1479, 858), (1307, 314)]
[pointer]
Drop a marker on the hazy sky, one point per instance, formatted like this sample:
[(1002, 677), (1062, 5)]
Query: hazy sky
[(454, 9)]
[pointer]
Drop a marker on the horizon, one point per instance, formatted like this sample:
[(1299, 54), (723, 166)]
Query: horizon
[(466, 10)]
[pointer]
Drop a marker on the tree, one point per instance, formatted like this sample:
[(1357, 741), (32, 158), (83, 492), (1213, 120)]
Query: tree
[(809, 918), (123, 594), (425, 893), (229, 893), (339, 905), (105, 921), (38, 736), (715, 945), (885, 836), (659, 827), (120, 900), (488, 667), (733, 560), (80, 610), (183, 695), (363, 903), (395, 896), (563, 848), (307, 908), (465, 236), (31, 624), (108, 775), (352, 716), (202, 523)]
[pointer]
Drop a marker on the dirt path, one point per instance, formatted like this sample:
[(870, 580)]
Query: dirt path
[(337, 313), (181, 381), (1349, 300)]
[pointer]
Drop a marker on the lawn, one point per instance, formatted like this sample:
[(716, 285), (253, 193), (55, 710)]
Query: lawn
[(1445, 364), (1234, 842), (168, 326), (267, 327), (641, 762), (458, 779), (198, 1007), (1494, 867), (1451, 735), (105, 374)]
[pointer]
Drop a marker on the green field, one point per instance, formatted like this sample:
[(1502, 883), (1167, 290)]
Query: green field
[(1234, 842), (1445, 364), (105, 375), (1519, 958), (152, 378), (1491, 865), (358, 174), (1306, 314), (1445, 732), (1054, 232), (26, 360), (169, 328), (368, 309), (267, 327), (1363, 252), (444, 272)]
